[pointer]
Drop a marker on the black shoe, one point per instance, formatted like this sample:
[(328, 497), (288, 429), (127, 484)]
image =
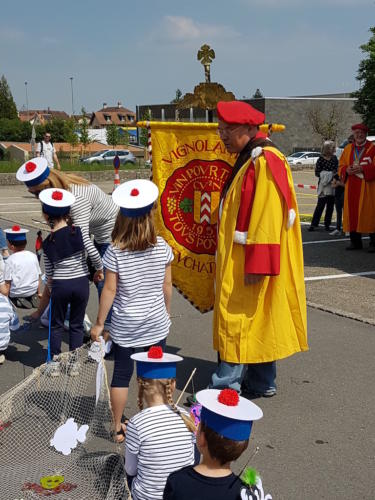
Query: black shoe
[(354, 247), (311, 228)]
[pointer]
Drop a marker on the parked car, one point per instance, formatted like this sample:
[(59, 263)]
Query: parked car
[(106, 157), (303, 158)]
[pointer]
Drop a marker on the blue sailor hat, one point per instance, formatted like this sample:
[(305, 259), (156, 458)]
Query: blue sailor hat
[(56, 201), (136, 197), (16, 233), (33, 172), (227, 413), (156, 364)]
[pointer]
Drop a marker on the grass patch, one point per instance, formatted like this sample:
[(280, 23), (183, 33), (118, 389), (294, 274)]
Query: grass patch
[(10, 167)]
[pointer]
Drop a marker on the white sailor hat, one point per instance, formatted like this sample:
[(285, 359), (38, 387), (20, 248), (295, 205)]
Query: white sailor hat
[(56, 201), (136, 197), (33, 172), (16, 233), (156, 364), (227, 413)]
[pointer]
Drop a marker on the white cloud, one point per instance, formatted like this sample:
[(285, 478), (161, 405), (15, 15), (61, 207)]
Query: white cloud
[(180, 29)]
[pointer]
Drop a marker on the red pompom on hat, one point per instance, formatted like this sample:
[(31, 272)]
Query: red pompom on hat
[(16, 228), (30, 167), (228, 397), (360, 126), (57, 195), (155, 352), (134, 192), (241, 113)]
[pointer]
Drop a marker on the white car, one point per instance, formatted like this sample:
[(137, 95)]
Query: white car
[(303, 158)]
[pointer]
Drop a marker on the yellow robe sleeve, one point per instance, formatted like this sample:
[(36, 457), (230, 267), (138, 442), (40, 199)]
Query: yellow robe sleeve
[(262, 248)]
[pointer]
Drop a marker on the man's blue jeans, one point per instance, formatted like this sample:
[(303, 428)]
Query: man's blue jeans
[(257, 377)]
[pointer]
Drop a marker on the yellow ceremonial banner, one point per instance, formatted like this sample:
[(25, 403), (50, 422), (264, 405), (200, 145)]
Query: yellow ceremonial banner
[(190, 166)]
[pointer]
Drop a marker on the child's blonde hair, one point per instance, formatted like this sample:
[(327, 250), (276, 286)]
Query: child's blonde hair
[(61, 180), (147, 388), (134, 233)]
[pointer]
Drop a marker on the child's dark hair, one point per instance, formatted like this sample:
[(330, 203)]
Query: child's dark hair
[(19, 244), (52, 220), (220, 448)]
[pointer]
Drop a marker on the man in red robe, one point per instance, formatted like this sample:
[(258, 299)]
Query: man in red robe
[(357, 170)]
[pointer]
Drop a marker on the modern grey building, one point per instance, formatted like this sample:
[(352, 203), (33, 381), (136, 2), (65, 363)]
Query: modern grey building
[(294, 112)]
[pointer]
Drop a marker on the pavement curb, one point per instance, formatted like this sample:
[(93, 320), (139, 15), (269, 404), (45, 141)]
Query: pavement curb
[(339, 312)]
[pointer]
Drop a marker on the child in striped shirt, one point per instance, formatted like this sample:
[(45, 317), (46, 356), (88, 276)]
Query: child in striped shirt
[(8, 322), (66, 273), (160, 438), (137, 283)]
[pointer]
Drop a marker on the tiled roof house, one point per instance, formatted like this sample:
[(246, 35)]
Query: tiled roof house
[(107, 115)]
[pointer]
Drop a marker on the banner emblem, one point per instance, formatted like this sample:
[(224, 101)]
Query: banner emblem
[(190, 203)]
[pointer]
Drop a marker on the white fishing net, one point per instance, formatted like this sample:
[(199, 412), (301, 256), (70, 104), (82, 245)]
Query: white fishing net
[(84, 462)]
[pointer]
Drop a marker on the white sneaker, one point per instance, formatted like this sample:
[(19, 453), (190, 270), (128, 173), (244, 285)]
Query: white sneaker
[(336, 232), (2, 359)]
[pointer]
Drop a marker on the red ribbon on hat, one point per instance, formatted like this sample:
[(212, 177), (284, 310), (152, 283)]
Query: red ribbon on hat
[(57, 195), (134, 192), (16, 228), (155, 352), (228, 397), (30, 167)]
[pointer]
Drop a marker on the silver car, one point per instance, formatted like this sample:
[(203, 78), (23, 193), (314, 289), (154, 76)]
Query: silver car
[(107, 156), (303, 158)]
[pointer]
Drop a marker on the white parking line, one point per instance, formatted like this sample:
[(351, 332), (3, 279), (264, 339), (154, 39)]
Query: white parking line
[(21, 212), (337, 276), (21, 204)]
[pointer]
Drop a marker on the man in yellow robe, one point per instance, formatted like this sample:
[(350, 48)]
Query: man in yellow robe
[(260, 304)]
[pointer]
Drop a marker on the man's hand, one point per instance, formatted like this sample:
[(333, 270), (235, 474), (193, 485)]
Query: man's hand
[(98, 276), (96, 331), (253, 279)]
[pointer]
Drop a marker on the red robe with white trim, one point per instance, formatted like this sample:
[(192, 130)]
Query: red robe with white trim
[(359, 201), (265, 321)]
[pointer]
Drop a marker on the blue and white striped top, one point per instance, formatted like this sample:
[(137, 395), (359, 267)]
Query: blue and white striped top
[(8, 321), (139, 316), (161, 442)]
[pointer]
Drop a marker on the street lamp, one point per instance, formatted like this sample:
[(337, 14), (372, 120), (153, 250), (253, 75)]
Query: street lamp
[(27, 102), (71, 86)]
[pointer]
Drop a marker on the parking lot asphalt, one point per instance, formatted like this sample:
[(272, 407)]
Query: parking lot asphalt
[(316, 439)]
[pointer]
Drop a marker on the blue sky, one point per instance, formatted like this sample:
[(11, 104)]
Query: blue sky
[(140, 52)]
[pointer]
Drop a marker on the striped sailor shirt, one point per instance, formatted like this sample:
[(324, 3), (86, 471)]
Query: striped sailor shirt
[(8, 321), (95, 213), (139, 316), (162, 444)]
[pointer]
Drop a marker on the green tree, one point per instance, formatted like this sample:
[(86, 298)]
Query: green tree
[(143, 131), (56, 127), (113, 136), (7, 105), (70, 134), (365, 104), (178, 97), (83, 127), (257, 94), (124, 137), (15, 130)]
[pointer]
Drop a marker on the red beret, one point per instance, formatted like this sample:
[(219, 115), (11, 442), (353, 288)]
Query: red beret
[(360, 126), (239, 112)]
